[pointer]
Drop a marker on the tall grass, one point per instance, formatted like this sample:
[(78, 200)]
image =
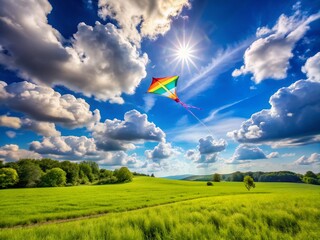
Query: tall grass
[(26, 206), (255, 216)]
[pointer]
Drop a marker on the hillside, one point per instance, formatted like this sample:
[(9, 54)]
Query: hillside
[(279, 176), (155, 208)]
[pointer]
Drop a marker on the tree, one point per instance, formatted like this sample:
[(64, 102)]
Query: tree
[(47, 163), (8, 177), (72, 171), (123, 175), (29, 173), (216, 177), (237, 177), (94, 169), (248, 182), (85, 172), (152, 175), (310, 174), (104, 173), (54, 177)]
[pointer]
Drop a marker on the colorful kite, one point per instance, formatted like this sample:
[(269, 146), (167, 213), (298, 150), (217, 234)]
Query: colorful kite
[(167, 87)]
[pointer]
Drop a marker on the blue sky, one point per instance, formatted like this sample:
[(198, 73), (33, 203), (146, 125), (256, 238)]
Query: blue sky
[(74, 76)]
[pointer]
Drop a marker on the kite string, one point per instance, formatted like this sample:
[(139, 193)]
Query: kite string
[(185, 106)]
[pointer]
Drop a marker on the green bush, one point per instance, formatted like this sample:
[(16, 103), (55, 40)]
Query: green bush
[(8, 177), (108, 180), (55, 177), (123, 174), (209, 184), (248, 182)]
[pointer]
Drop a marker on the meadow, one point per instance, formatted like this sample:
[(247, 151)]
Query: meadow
[(152, 208)]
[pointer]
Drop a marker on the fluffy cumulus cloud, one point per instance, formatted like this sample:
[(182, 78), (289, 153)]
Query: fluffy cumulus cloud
[(244, 152), (100, 60), (42, 128), (210, 145), (71, 147), (312, 68), (142, 18), (120, 158), (115, 135), (12, 152), (46, 129), (293, 118), (207, 151), (268, 57), (44, 104), (11, 122), (161, 151), (314, 158)]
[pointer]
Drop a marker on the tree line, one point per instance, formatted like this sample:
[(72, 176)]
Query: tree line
[(280, 176), (52, 173)]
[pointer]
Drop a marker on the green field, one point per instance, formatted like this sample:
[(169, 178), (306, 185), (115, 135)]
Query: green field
[(152, 208)]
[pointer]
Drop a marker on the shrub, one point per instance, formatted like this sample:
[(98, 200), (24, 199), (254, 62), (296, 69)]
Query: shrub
[(216, 177), (108, 180), (123, 174), (55, 177), (248, 182), (8, 177), (209, 184)]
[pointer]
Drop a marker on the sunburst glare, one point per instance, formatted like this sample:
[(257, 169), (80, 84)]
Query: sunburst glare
[(183, 53)]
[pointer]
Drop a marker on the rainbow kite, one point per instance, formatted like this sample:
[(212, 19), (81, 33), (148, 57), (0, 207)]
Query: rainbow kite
[(167, 87)]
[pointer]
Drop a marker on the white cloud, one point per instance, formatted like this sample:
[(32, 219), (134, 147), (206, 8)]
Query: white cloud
[(161, 151), (207, 151), (3, 92), (120, 158), (312, 68), (273, 155), (12, 152), (105, 64), (44, 104), (45, 129), (98, 61), (262, 31), (209, 145), (206, 159), (115, 135), (292, 120), (314, 158), (244, 153), (268, 57), (42, 128), (82, 148), (70, 147), (11, 122), (11, 134), (149, 102), (142, 18)]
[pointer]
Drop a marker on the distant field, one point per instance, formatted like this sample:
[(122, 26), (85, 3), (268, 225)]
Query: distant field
[(224, 211)]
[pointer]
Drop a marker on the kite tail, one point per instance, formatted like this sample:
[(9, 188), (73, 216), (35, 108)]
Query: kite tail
[(187, 107)]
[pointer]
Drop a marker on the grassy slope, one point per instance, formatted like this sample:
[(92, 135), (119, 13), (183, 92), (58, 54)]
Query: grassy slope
[(24, 206), (271, 211)]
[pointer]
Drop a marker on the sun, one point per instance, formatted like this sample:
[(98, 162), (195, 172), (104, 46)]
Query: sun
[(183, 54)]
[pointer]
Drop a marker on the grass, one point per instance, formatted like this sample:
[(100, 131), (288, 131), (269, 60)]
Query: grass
[(224, 211)]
